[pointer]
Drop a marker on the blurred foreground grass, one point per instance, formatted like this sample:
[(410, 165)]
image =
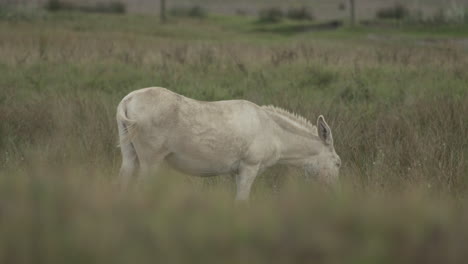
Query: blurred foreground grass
[(69, 215), (398, 107)]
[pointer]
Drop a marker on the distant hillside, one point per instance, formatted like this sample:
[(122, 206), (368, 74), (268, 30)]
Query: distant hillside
[(323, 9)]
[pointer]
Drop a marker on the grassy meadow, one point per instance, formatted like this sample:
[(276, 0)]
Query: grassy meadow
[(395, 97)]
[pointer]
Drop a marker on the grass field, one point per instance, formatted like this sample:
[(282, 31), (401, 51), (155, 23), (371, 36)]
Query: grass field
[(395, 98)]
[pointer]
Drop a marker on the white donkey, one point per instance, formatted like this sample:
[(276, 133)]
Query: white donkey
[(223, 137)]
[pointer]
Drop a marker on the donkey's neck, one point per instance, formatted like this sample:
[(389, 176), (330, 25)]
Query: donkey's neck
[(298, 138), (296, 148)]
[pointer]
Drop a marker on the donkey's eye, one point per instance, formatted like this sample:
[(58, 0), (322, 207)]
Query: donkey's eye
[(338, 163)]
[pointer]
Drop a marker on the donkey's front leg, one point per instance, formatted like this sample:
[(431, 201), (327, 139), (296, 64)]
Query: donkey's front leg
[(244, 180)]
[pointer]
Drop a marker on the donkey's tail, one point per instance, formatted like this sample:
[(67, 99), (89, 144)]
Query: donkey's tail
[(127, 127), (127, 131)]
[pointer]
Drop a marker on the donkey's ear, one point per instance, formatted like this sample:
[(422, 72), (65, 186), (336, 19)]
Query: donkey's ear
[(324, 131)]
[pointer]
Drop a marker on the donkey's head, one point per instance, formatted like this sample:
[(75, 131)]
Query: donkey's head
[(325, 165)]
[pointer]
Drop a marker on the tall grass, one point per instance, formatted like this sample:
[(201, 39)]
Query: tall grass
[(398, 112)]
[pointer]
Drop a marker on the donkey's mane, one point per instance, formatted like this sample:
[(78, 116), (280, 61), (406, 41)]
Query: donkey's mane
[(290, 120)]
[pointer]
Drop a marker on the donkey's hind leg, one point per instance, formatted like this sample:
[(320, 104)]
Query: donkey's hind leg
[(150, 157), (147, 168), (129, 165)]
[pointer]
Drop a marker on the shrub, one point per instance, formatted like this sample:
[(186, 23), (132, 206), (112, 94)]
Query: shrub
[(57, 5), (455, 14), (111, 7), (241, 12), (197, 11), (270, 15), (452, 15), (341, 6), (11, 13), (398, 11), (301, 13), (54, 5), (194, 11)]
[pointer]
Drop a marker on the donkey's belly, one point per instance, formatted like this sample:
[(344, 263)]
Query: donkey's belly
[(201, 167)]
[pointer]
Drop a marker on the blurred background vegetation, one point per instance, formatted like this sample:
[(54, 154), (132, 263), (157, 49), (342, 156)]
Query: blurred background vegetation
[(393, 87)]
